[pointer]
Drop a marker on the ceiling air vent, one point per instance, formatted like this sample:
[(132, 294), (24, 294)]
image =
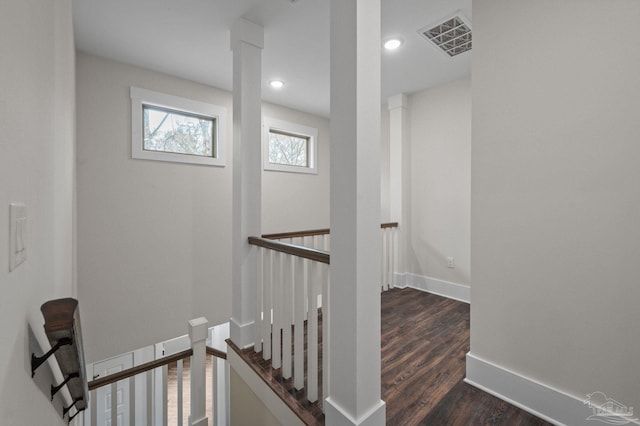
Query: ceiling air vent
[(453, 35)]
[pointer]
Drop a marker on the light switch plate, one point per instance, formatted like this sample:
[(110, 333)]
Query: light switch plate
[(17, 235)]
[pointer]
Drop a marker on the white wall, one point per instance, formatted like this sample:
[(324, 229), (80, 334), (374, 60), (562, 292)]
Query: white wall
[(154, 238), (440, 133), (37, 151), (555, 199), (297, 201), (440, 181), (385, 143)]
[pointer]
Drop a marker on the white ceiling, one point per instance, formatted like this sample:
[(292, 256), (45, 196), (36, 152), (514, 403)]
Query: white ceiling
[(190, 39)]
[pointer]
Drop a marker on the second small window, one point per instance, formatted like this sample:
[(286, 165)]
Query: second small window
[(289, 147)]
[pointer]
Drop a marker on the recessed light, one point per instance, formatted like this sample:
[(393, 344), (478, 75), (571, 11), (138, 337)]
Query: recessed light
[(392, 44), (276, 84)]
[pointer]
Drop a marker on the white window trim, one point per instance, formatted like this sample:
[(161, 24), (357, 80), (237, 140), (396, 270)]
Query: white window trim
[(269, 124), (148, 97)]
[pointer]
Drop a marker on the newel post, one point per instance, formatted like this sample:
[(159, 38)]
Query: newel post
[(354, 303), (198, 334), (247, 40), (400, 175)]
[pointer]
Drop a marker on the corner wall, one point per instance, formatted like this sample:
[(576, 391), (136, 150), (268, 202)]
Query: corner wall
[(155, 237), (440, 182), (555, 199), (37, 168), (440, 197)]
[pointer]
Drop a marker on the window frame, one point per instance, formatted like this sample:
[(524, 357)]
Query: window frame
[(141, 97), (292, 129)]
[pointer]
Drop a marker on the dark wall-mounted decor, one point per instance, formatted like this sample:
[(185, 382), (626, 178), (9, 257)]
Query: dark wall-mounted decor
[(62, 327)]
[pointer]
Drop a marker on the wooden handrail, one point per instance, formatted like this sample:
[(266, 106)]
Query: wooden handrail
[(216, 352), (312, 232), (296, 234), (133, 371), (307, 253), (389, 225)]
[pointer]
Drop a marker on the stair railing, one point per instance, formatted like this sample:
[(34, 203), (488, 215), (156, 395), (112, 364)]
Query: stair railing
[(196, 354), (320, 239), (293, 288), (293, 284)]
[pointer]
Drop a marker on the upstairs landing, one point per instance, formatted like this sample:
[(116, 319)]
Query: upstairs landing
[(424, 342)]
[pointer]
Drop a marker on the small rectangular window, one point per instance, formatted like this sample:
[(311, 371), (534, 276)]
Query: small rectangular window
[(171, 128), (289, 147), (178, 132)]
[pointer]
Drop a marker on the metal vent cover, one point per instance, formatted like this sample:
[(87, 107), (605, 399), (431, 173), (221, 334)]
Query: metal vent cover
[(452, 34)]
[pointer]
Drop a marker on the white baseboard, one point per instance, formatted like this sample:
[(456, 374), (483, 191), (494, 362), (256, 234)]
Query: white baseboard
[(241, 334), (543, 401), (443, 288), (335, 415)]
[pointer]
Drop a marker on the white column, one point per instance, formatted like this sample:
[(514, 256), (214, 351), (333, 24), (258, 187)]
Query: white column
[(247, 40), (354, 303), (198, 335), (400, 173)]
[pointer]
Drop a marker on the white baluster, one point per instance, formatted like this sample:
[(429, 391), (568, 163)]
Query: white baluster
[(179, 367), (227, 393), (132, 400), (165, 381), (389, 237), (392, 256), (267, 286), (326, 315), (395, 255), (384, 261), (299, 313), (198, 329), (287, 282), (257, 346), (312, 333), (214, 389), (94, 407), (387, 249), (276, 358), (148, 392), (114, 403)]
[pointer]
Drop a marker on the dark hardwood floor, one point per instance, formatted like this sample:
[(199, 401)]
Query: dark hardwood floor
[(424, 342), (465, 405)]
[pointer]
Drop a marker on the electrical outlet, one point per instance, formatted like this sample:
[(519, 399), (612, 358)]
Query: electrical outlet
[(450, 262)]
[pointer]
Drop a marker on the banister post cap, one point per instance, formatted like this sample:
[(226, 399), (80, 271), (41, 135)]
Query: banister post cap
[(198, 328)]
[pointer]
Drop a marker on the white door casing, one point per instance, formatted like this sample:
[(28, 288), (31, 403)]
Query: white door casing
[(103, 400)]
